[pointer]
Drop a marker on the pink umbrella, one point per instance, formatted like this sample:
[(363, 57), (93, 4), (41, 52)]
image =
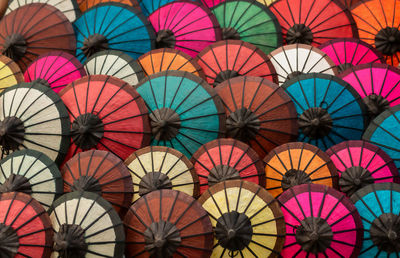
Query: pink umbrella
[(55, 69), (211, 3)]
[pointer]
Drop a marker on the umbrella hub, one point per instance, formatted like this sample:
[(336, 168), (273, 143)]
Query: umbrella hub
[(69, 241), (86, 183), (154, 181), (354, 178), (162, 238), (293, 75), (222, 173), (314, 235), (14, 46), (93, 44), (387, 41), (165, 39), (165, 124), (42, 82), (16, 183), (87, 130), (294, 177), (376, 104), (315, 122), (242, 124), (233, 231), (385, 232), (344, 67), (230, 33), (225, 75), (9, 242), (299, 33), (12, 133)]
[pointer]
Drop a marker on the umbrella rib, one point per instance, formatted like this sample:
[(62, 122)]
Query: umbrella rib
[(319, 14), (327, 19), (367, 23), (282, 17), (185, 211)]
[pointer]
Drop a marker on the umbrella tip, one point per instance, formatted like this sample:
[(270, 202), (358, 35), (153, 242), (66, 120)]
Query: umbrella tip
[(376, 104), (230, 33), (153, 181), (14, 46), (12, 133), (162, 238), (165, 39), (87, 130), (16, 183), (299, 33), (93, 44), (9, 242), (387, 41), (165, 124), (69, 241), (242, 124), (315, 122)]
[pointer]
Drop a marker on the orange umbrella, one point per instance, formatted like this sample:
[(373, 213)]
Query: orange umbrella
[(86, 4)]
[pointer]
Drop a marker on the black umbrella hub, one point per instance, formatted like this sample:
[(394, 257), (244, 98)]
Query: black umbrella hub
[(69, 241), (221, 173), (224, 76), (354, 178), (242, 124), (16, 183), (385, 232), (299, 33), (165, 124), (165, 39), (93, 44), (376, 104), (12, 134), (294, 177), (343, 67), (14, 46), (230, 33), (86, 183), (162, 238), (153, 181), (9, 242), (87, 130), (387, 41), (314, 235), (315, 122)]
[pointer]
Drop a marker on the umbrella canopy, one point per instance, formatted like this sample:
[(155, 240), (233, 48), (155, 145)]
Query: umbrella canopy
[(250, 21), (107, 114), (55, 69), (320, 222), (185, 113), (164, 59), (158, 167), (360, 163), (148, 7), (168, 223), (377, 85), (258, 112), (378, 24), (378, 208), (349, 52), (24, 36), (232, 58), (248, 223), (115, 63), (298, 163), (25, 227), (10, 73), (329, 109), (185, 25), (293, 60), (84, 5), (309, 23), (34, 117), (33, 173), (102, 173), (113, 26), (227, 159), (350, 4), (89, 225)]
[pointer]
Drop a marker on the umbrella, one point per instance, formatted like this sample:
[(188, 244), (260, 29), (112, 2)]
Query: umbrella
[(248, 223), (310, 23), (84, 5), (148, 7), (33, 117), (350, 4), (378, 208), (115, 63), (107, 114), (24, 36), (377, 84), (158, 167), (329, 109), (378, 24), (360, 163), (113, 26), (55, 69), (320, 222), (231, 58), (25, 227), (293, 60), (250, 21), (33, 173), (102, 173), (227, 159), (349, 52), (298, 163), (86, 224), (185, 113), (168, 223), (10, 73), (164, 59), (185, 25)]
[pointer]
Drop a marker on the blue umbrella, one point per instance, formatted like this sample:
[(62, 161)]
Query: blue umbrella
[(148, 7), (113, 26), (185, 111), (329, 109)]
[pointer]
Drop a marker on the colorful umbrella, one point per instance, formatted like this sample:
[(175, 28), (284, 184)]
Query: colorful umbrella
[(55, 69), (31, 172), (24, 36), (250, 21), (185, 25), (293, 60), (378, 24), (33, 117), (247, 220), (349, 52), (25, 227), (164, 59), (377, 84), (310, 23), (102, 173), (168, 223), (350, 4), (10, 73), (157, 167), (84, 5), (113, 26), (232, 58), (360, 163), (85, 224), (378, 206), (185, 111), (320, 222), (329, 109), (148, 7), (115, 63), (211, 3), (298, 163), (107, 114)]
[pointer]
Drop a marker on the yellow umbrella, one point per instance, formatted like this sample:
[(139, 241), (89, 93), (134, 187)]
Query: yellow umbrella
[(10, 73)]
